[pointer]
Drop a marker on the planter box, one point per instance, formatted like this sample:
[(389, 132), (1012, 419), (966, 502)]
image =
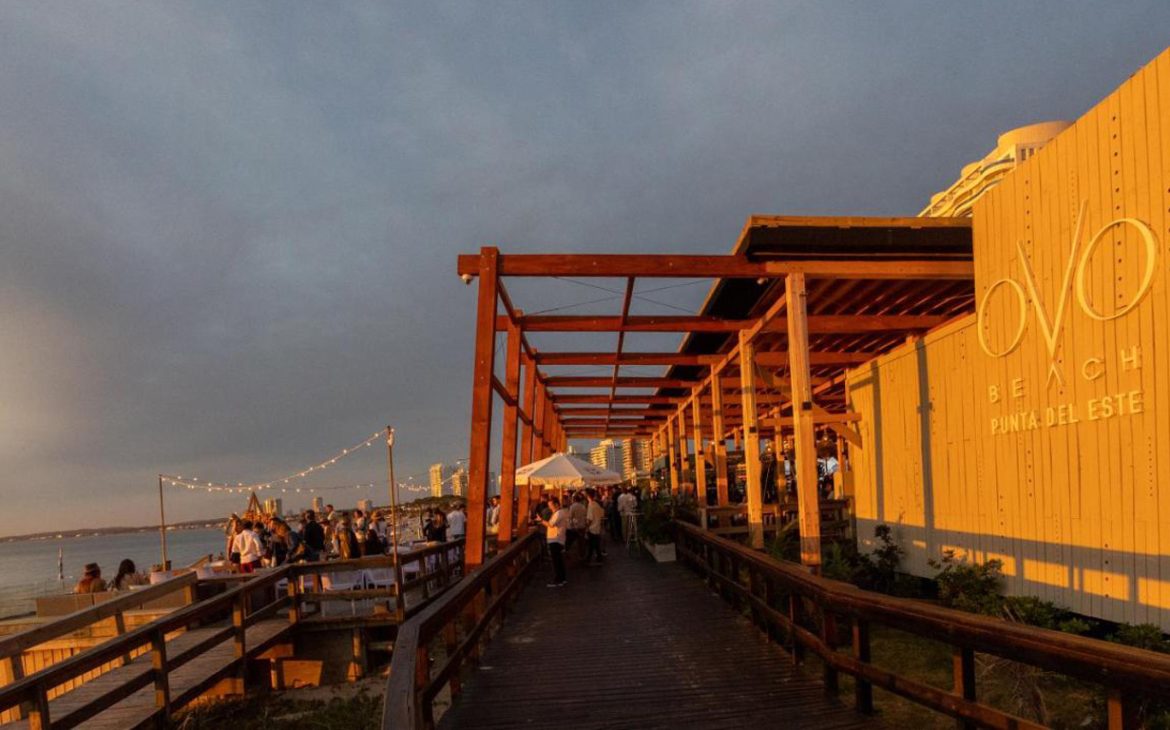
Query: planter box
[(661, 553)]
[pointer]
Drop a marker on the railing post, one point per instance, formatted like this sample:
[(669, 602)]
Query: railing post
[(158, 663), (794, 613), (240, 649), (38, 713), (294, 600), (1121, 711), (450, 643), (862, 689), (964, 670), (422, 677), (119, 629), (829, 637)]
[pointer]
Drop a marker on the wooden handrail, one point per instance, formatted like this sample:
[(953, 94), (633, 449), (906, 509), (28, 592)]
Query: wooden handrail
[(411, 688), (1121, 669), (18, 643), (27, 689), (32, 690)]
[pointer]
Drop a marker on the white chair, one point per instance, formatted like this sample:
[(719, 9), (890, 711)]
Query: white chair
[(379, 578), (342, 580)]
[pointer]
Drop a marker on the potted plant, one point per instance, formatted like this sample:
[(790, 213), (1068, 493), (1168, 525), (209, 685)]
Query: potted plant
[(654, 527)]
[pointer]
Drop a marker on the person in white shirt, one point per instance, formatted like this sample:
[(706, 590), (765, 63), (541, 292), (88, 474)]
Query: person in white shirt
[(555, 528), (627, 507), (247, 544), (493, 516), (456, 523)]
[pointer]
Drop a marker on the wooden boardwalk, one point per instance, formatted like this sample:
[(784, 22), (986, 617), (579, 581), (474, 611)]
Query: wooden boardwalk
[(190, 680), (635, 644)]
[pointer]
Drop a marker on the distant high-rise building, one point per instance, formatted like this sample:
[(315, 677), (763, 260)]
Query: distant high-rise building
[(318, 504), (635, 458), (459, 482), (273, 506), (606, 455), (438, 476)]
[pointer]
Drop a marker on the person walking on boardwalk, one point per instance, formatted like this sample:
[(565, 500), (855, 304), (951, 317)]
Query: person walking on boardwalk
[(555, 528), (457, 522), (594, 516)]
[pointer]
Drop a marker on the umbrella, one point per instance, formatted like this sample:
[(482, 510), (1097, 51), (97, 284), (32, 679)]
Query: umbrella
[(562, 470)]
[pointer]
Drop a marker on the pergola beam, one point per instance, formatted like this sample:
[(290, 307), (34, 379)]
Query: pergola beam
[(817, 324), (765, 359), (677, 266)]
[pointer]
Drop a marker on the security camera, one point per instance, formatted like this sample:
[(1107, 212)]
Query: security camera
[(466, 279)]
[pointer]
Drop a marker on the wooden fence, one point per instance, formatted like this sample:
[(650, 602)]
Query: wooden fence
[(244, 602), (461, 620), (785, 599)]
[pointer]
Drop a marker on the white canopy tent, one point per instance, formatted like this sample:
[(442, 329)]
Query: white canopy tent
[(561, 471)]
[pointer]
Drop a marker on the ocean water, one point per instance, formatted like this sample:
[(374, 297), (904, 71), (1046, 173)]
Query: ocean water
[(28, 568)]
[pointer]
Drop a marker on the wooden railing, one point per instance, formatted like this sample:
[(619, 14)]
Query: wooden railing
[(806, 610), (731, 520), (14, 647), (244, 601), (429, 568), (32, 692), (461, 618)]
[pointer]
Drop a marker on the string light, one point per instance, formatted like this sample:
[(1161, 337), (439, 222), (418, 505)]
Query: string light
[(402, 486), (177, 480)]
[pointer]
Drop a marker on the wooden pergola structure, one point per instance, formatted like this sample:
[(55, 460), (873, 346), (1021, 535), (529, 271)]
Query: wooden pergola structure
[(795, 303)]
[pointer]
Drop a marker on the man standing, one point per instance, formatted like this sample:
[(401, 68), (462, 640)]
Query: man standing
[(627, 506), (247, 544), (457, 522), (577, 512), (555, 527), (594, 515), (313, 535), (493, 516)]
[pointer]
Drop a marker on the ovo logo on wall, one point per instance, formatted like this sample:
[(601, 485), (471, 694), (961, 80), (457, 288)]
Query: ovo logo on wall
[(1050, 316)]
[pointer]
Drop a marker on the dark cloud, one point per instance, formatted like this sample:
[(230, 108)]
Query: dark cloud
[(228, 230)]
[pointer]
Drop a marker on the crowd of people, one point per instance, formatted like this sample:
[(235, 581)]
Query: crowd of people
[(255, 541), (575, 524)]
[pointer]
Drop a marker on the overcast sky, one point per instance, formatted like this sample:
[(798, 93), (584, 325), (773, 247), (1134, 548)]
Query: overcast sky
[(228, 230)]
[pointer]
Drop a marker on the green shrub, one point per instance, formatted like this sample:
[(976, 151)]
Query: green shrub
[(973, 587), (1044, 614), (878, 571), (1141, 636), (786, 544), (654, 522)]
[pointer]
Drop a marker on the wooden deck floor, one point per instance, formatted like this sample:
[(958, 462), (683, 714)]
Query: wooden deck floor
[(635, 644), (189, 680)]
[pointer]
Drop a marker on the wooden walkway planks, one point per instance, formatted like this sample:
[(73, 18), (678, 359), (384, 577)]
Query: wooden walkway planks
[(635, 644), (194, 676)]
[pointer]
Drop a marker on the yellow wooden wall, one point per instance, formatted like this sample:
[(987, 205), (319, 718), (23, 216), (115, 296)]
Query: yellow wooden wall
[(1079, 511)]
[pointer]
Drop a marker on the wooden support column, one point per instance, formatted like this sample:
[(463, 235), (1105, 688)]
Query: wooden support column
[(683, 456), (804, 436), (481, 407), (546, 442), (538, 413), (511, 419), (700, 457), (751, 441), (722, 498), (526, 426), (671, 463)]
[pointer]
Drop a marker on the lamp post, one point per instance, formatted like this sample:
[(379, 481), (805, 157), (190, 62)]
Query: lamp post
[(400, 596), (162, 522)]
